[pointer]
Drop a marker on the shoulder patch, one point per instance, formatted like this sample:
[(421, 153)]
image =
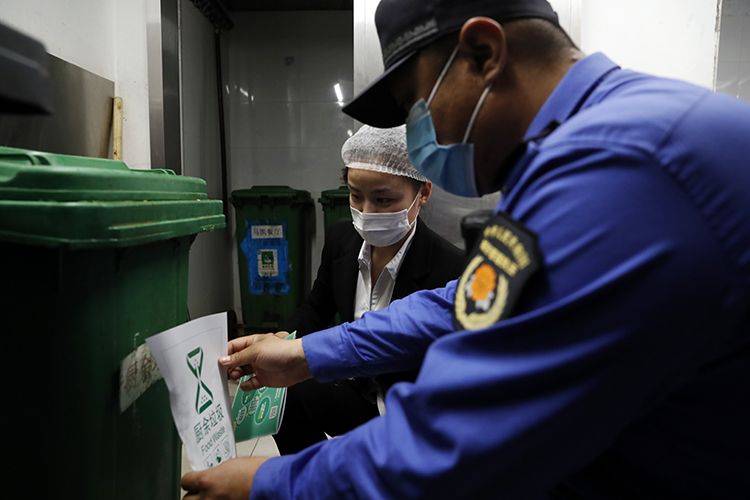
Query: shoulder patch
[(505, 258)]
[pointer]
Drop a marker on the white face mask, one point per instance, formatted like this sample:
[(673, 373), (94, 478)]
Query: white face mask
[(383, 229)]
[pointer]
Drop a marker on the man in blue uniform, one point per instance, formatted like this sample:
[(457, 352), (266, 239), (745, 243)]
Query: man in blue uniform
[(598, 342)]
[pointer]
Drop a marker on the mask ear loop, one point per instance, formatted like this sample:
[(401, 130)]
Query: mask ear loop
[(475, 114), (442, 76), (419, 209), (419, 195)]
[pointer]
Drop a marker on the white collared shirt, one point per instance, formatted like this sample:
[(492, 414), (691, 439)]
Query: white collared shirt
[(374, 298)]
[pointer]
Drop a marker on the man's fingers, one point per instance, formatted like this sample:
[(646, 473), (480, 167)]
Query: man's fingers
[(237, 359), (251, 385), (239, 344), (191, 481), (235, 374)]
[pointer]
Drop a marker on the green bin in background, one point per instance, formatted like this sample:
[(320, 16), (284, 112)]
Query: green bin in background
[(335, 203), (274, 229), (94, 259)]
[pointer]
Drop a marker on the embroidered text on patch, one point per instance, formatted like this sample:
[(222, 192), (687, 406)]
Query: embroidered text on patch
[(502, 263)]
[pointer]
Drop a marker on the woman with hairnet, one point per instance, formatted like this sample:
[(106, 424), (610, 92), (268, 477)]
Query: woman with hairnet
[(384, 254)]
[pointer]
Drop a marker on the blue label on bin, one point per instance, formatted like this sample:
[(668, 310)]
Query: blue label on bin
[(267, 253)]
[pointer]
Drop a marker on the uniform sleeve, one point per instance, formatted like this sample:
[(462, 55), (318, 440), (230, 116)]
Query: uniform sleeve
[(632, 287), (390, 340)]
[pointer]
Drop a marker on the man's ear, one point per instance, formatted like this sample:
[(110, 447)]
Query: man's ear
[(483, 39)]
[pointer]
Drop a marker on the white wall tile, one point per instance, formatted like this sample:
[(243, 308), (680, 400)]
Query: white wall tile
[(332, 58), (285, 126), (273, 124), (324, 125), (320, 88), (242, 171)]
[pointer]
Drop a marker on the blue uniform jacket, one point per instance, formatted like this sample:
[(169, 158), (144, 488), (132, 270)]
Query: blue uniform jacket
[(623, 370)]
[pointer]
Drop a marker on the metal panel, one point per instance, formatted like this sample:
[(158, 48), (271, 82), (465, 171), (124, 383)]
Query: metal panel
[(210, 276), (244, 5), (171, 68), (215, 12), (82, 120), (155, 83), (162, 36), (732, 75)]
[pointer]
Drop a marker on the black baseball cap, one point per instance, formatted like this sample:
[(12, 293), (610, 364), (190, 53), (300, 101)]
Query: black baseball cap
[(406, 26)]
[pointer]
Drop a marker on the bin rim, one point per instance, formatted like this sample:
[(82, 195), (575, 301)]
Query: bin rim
[(68, 201), (27, 175)]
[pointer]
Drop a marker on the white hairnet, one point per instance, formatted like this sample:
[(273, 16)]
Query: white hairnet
[(380, 150)]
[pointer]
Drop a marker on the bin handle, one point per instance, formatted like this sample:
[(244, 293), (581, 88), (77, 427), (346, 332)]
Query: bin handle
[(12, 157)]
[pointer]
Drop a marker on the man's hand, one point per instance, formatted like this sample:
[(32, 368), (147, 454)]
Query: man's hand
[(271, 359), (229, 481)]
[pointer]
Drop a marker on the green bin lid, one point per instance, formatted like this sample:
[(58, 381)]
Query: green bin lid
[(78, 202), (259, 195)]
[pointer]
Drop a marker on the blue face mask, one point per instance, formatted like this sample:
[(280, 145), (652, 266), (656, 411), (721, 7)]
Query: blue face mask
[(451, 167)]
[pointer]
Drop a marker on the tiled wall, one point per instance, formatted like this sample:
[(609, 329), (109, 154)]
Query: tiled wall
[(733, 72), (285, 119)]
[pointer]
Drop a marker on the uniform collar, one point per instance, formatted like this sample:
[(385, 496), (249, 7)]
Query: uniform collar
[(566, 100), (570, 94)]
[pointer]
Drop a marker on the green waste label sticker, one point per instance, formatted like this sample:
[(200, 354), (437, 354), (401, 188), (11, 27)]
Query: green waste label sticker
[(268, 263), (260, 412)]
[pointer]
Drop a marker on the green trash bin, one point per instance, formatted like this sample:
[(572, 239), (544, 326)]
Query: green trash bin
[(94, 259), (335, 203), (274, 228)]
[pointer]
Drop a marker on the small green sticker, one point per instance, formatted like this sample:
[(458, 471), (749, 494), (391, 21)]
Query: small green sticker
[(265, 405)]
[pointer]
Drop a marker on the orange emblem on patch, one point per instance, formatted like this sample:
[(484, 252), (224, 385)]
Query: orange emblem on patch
[(484, 283)]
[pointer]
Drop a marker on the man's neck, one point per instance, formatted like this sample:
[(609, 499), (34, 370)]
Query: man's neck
[(542, 82), (538, 83)]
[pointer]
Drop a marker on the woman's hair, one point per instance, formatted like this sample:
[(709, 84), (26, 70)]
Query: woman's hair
[(414, 182)]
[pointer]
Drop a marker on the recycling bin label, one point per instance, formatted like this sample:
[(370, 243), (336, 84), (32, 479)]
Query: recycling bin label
[(266, 251)]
